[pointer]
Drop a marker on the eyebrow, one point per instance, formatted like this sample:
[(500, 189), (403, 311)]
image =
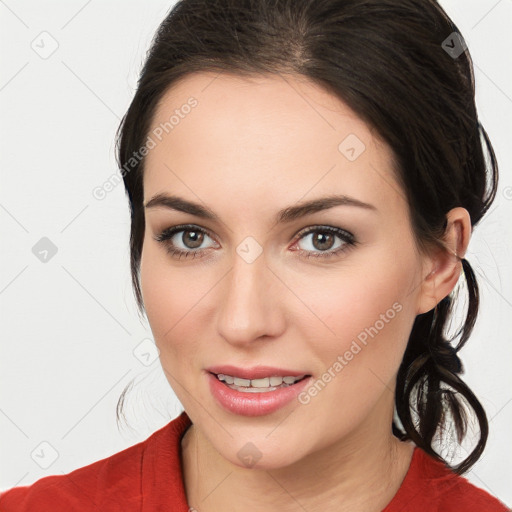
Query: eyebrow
[(288, 214)]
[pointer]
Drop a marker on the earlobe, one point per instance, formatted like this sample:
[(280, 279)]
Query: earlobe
[(445, 263)]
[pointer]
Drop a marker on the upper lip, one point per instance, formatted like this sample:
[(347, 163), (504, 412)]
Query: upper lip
[(255, 372)]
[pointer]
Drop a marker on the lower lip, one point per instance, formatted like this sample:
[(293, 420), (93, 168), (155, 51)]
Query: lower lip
[(254, 404)]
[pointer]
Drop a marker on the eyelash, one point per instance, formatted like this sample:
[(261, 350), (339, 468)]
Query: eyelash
[(349, 239)]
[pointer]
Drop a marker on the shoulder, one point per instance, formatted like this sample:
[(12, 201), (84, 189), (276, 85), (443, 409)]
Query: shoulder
[(431, 486), (114, 482), (464, 496), (81, 489), (456, 492)]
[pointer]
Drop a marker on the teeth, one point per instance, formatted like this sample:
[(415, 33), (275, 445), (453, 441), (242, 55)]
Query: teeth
[(242, 382), (266, 383), (260, 383)]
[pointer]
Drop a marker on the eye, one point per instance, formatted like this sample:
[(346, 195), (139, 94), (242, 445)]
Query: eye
[(185, 240), (184, 244), (323, 238)]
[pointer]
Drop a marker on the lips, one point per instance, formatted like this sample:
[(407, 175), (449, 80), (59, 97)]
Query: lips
[(253, 401), (255, 372)]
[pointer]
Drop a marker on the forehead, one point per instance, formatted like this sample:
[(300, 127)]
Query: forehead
[(274, 138)]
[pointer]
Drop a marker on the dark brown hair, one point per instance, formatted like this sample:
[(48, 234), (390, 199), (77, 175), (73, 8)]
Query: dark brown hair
[(402, 66)]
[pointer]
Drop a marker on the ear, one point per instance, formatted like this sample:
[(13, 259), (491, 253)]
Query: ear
[(444, 266)]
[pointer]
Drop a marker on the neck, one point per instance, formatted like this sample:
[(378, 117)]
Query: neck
[(360, 472)]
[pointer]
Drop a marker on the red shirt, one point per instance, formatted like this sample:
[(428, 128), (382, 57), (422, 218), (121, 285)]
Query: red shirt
[(147, 477)]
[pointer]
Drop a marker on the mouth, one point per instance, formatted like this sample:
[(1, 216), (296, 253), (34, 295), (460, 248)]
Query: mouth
[(256, 391), (259, 385)]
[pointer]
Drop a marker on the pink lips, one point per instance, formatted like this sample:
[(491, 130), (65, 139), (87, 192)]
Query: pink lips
[(253, 404), (256, 372)]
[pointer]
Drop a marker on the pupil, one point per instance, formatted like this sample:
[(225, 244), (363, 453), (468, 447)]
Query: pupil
[(195, 243), (321, 238)]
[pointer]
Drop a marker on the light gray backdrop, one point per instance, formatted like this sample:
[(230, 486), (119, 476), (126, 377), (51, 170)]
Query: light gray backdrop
[(71, 335)]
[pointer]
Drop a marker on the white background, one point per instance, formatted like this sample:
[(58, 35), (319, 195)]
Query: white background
[(70, 325)]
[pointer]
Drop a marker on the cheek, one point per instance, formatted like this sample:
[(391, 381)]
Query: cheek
[(164, 293), (174, 298), (368, 310), (371, 315)]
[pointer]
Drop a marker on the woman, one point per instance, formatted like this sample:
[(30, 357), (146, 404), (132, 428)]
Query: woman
[(304, 177)]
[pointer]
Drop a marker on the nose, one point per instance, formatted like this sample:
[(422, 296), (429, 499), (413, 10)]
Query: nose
[(251, 303)]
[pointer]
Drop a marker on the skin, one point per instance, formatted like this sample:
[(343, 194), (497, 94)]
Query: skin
[(248, 149)]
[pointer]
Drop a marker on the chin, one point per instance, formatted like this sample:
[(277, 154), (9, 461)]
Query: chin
[(262, 454), (265, 463)]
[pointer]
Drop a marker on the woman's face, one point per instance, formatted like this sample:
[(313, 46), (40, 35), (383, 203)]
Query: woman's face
[(331, 294)]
